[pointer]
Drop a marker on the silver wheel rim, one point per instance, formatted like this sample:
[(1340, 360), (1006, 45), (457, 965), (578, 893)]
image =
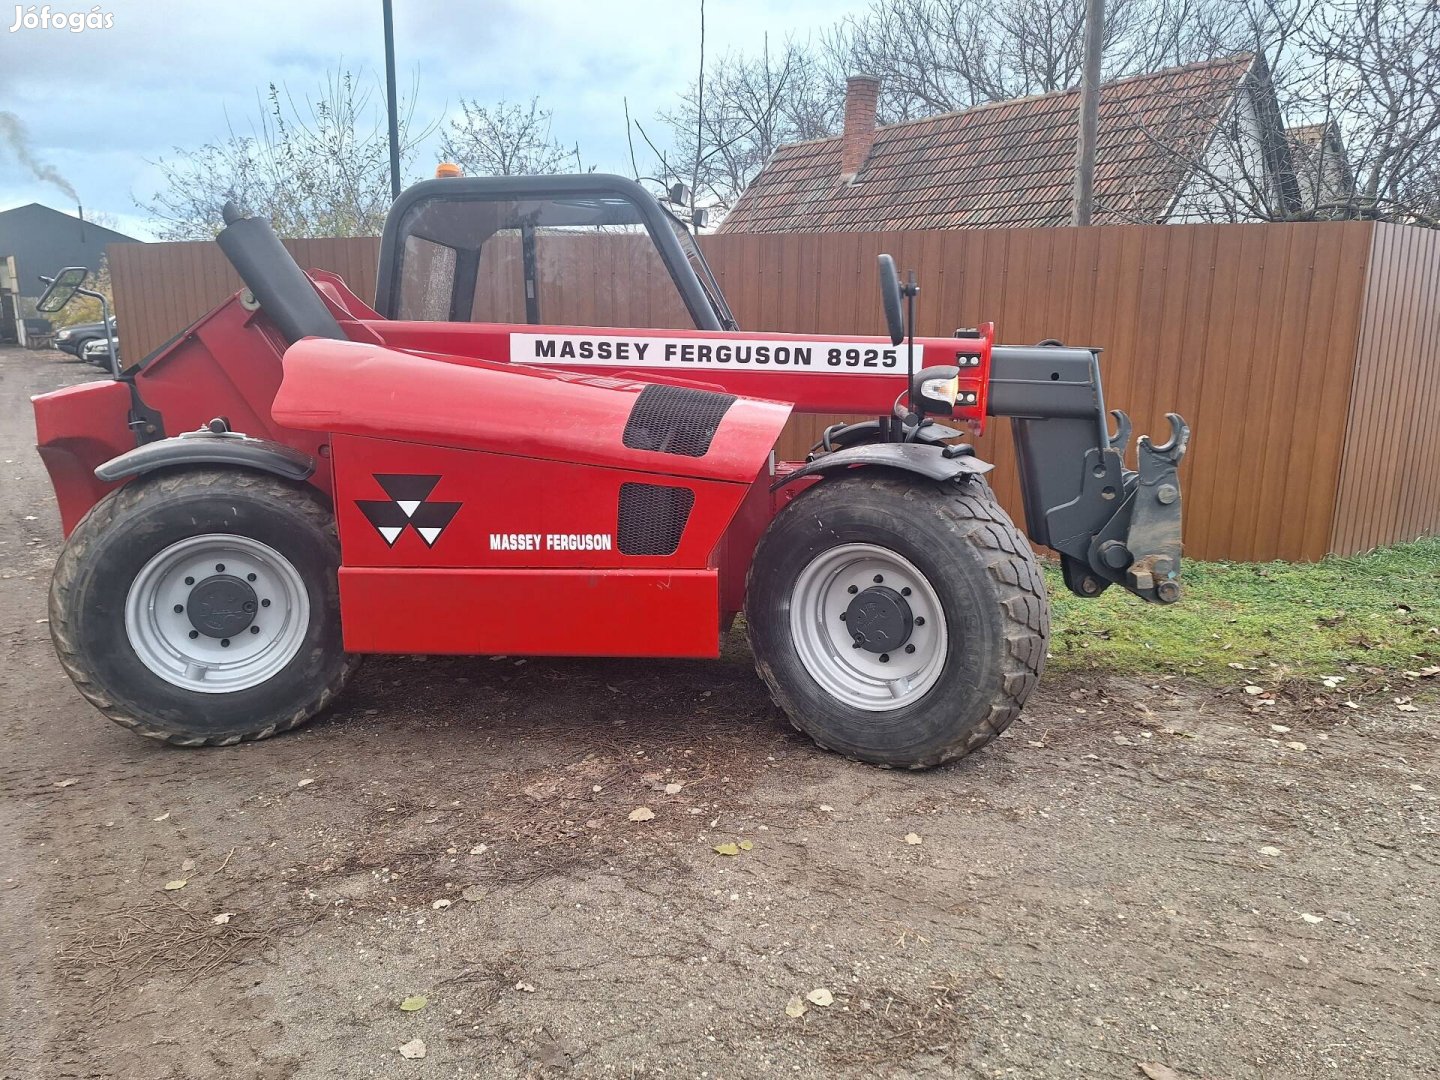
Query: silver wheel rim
[(824, 642), (165, 638)]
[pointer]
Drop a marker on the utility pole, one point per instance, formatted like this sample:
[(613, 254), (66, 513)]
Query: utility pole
[(1089, 108), (390, 100)]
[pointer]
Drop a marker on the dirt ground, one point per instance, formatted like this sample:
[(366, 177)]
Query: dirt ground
[(1138, 873)]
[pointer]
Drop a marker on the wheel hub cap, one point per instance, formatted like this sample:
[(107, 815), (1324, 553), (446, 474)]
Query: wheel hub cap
[(221, 606), (879, 619), (217, 613), (868, 627)]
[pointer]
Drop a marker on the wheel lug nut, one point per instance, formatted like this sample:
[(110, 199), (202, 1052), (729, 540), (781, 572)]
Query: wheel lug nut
[(225, 643), (879, 578), (905, 591), (853, 589), (194, 634), (219, 567), (179, 608), (249, 577), (884, 658), (189, 581), (256, 630), (909, 648), (842, 616), (264, 603), (920, 620)]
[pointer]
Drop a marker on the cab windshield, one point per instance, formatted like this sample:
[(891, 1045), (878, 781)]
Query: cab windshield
[(561, 260)]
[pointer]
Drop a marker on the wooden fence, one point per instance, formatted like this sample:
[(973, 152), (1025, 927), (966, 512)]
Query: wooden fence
[(1305, 356)]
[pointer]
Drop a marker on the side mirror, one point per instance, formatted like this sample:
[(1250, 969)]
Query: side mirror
[(679, 194), (60, 289), (890, 297)]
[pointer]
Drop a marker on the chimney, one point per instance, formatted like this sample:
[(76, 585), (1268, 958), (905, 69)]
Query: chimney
[(862, 93)]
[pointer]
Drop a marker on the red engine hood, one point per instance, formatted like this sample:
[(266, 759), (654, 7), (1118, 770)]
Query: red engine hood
[(357, 388)]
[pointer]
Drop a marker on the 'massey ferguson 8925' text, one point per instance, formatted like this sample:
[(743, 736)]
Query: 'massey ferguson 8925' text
[(759, 354)]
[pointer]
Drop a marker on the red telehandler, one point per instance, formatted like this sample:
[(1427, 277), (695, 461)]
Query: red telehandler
[(514, 451)]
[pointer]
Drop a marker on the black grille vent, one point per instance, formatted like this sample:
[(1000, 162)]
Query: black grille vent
[(653, 517), (675, 420)]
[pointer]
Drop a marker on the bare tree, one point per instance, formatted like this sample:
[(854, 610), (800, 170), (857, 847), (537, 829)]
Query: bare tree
[(315, 167), (506, 139), (935, 56), (1348, 127), (1379, 66), (1367, 72), (744, 110)]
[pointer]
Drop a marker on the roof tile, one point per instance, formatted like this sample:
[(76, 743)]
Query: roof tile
[(1002, 164)]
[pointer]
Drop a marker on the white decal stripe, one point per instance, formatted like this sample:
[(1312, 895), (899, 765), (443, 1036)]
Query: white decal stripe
[(720, 353)]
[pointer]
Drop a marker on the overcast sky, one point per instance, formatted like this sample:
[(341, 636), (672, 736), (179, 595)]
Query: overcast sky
[(100, 103)]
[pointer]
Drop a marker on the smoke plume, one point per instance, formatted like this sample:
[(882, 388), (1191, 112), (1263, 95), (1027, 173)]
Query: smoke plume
[(12, 132)]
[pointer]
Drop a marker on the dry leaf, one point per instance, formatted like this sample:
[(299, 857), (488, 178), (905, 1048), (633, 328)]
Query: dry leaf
[(1311, 919), (1280, 729), (827, 809), (524, 988), (440, 905), (795, 1007), (820, 996), (727, 849), (1271, 851), (1296, 745), (162, 817), (642, 813), (912, 838), (66, 783), (415, 1048), (414, 1003), (1253, 690), (187, 865), (674, 789), (1156, 1071), (746, 845), (473, 892), (306, 782), (479, 849), (178, 883), (223, 918)]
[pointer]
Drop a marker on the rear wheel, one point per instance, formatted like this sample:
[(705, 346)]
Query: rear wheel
[(898, 622), (200, 607)]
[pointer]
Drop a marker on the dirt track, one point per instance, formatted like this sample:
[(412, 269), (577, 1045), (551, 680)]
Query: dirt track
[(1125, 878)]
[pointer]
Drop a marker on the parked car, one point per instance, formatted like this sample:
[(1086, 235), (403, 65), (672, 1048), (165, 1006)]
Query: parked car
[(95, 351), (72, 339)]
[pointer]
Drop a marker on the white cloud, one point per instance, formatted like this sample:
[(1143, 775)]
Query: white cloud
[(101, 103)]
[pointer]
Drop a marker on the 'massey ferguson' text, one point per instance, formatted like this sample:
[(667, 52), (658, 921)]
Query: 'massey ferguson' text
[(551, 542)]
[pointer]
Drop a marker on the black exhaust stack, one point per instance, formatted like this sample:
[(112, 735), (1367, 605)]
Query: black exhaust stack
[(274, 278)]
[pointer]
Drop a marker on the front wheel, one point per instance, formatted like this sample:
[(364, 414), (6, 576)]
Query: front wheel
[(200, 607), (897, 621)]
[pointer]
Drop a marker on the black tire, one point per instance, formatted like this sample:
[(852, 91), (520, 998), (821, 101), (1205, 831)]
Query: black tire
[(983, 571), (128, 528)]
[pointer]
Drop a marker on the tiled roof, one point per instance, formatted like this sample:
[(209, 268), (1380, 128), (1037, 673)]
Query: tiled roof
[(1003, 164)]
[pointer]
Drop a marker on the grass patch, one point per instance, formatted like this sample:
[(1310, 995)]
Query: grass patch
[(1378, 612)]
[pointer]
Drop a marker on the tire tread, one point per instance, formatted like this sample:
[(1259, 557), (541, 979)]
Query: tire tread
[(75, 554)]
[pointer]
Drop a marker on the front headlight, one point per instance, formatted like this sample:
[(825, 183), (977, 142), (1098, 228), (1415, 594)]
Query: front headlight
[(64, 335)]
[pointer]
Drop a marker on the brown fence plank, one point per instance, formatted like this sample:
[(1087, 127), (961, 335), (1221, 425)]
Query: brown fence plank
[(1389, 486)]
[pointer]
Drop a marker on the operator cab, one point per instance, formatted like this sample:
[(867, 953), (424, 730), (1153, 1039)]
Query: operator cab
[(591, 250)]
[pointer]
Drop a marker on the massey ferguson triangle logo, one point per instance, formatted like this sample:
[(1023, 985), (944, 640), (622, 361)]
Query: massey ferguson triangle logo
[(407, 508)]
